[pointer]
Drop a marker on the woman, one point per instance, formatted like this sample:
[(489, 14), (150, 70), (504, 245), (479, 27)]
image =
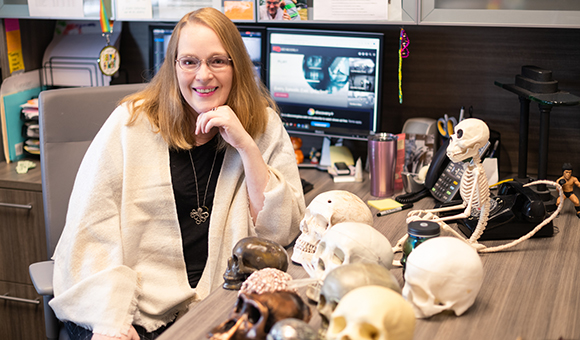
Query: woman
[(144, 236)]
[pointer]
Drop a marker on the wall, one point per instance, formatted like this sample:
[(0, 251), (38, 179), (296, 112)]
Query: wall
[(450, 67)]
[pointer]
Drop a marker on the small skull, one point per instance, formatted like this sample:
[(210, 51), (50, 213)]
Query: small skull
[(385, 316), (343, 279), (292, 329), (266, 280), (255, 314), (443, 273), (326, 210), (470, 135), (251, 254), (351, 242)]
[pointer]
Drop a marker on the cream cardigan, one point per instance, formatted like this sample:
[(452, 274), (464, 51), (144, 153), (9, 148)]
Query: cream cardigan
[(120, 260)]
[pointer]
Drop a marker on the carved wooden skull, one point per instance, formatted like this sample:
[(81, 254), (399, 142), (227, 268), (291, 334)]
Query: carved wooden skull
[(372, 313), (443, 273), (254, 315), (251, 254), (343, 279), (470, 135), (326, 210), (351, 242)]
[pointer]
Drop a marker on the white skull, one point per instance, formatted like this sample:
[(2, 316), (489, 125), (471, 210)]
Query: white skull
[(351, 242), (346, 278), (470, 135), (385, 315), (443, 273), (326, 210)]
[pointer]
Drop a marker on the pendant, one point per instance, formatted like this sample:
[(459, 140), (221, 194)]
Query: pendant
[(199, 215), (109, 60)]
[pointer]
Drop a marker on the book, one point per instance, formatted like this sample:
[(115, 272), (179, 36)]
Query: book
[(15, 91)]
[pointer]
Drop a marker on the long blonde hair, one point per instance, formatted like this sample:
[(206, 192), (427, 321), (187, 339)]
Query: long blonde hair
[(163, 104)]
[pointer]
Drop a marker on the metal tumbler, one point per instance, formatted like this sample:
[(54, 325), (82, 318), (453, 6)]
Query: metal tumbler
[(382, 148)]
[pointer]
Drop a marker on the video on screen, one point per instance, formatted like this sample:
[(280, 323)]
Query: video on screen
[(325, 82)]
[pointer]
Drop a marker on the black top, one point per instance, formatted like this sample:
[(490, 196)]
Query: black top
[(194, 236)]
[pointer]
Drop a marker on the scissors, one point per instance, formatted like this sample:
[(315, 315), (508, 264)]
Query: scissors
[(446, 126)]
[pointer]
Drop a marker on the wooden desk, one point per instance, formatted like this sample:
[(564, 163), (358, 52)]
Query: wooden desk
[(532, 291)]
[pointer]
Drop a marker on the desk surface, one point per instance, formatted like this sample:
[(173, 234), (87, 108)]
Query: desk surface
[(529, 292)]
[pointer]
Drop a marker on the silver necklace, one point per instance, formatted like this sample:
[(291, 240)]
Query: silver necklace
[(201, 214)]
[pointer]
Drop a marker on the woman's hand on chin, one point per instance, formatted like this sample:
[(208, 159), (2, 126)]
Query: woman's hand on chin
[(226, 121)]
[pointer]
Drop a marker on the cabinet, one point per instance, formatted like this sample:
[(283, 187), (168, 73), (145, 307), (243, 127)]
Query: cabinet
[(22, 242), (524, 13)]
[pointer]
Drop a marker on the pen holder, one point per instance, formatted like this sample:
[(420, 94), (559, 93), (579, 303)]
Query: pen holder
[(382, 153)]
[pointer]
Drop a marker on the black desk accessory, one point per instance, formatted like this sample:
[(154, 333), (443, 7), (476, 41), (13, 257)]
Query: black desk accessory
[(536, 84)]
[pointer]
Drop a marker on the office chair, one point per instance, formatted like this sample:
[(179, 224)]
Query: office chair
[(69, 119)]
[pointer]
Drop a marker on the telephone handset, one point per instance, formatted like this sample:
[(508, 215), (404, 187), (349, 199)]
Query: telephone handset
[(438, 165), (442, 179)]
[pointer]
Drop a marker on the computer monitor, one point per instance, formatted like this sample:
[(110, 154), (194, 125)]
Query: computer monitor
[(326, 83), (159, 36), (253, 38)]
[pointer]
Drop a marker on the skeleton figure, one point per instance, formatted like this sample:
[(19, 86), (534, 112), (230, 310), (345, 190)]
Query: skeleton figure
[(443, 273), (345, 278), (470, 135), (326, 210), (384, 315), (254, 315), (251, 254)]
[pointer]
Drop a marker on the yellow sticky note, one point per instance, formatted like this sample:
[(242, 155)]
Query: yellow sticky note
[(384, 204)]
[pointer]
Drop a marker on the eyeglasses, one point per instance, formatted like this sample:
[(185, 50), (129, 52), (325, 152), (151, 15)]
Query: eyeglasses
[(272, 2), (192, 64)]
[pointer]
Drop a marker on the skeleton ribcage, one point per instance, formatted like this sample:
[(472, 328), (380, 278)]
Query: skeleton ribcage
[(469, 185)]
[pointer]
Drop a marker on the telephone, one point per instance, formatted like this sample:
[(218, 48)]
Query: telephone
[(514, 212), (442, 179), (438, 167)]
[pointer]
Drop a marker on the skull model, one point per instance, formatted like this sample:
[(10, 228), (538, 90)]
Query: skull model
[(443, 273), (326, 210), (385, 316), (255, 314), (292, 329), (351, 242), (251, 254), (470, 135), (343, 279), (266, 280)]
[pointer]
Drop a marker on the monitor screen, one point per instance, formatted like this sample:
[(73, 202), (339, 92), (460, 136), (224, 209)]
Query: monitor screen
[(252, 37), (326, 83)]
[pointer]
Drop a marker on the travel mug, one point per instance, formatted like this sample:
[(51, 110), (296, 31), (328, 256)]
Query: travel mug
[(382, 149)]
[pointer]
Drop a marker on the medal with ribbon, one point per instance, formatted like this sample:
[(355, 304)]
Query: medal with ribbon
[(109, 58)]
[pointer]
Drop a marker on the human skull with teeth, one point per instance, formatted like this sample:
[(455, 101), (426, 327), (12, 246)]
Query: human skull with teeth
[(345, 278), (326, 210), (385, 316), (254, 315), (443, 273), (251, 254)]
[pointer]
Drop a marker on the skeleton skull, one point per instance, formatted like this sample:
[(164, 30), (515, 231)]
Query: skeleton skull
[(385, 316), (326, 210), (292, 329), (470, 135), (251, 254), (351, 242), (443, 273), (348, 277), (255, 314)]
